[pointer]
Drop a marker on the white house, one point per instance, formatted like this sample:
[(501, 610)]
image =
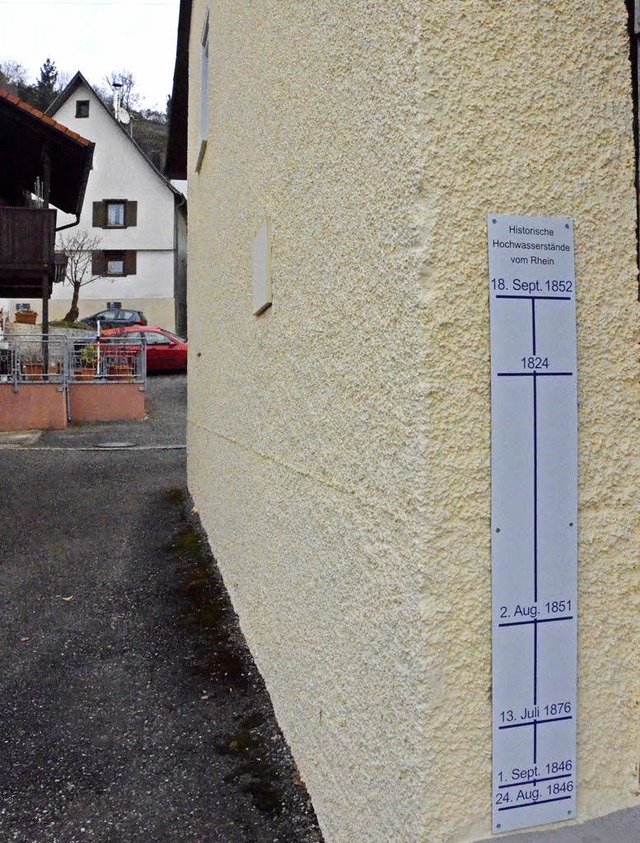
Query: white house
[(137, 215)]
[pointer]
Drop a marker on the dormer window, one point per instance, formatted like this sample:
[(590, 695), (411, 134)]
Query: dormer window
[(82, 108)]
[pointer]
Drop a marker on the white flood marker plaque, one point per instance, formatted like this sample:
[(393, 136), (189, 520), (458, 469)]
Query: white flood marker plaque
[(534, 457)]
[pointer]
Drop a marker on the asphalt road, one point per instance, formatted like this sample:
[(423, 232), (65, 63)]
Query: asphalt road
[(130, 708)]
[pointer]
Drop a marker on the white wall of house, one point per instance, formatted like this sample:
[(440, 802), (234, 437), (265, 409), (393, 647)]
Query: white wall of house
[(121, 172), (139, 291)]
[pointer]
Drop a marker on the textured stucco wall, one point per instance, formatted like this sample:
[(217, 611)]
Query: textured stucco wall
[(527, 108), (339, 443), (305, 424)]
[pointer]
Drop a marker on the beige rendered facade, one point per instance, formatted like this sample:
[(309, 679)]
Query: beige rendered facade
[(339, 443)]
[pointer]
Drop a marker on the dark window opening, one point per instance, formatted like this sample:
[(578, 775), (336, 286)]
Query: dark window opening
[(82, 108)]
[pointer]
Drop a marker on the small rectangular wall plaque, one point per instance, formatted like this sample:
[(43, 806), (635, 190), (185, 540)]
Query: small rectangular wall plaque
[(262, 269), (534, 457)]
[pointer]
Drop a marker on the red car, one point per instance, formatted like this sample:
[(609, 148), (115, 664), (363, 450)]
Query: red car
[(165, 351)]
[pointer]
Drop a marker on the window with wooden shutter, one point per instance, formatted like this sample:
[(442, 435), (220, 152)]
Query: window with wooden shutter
[(115, 213), (99, 214), (115, 262), (130, 262), (98, 264), (131, 214)]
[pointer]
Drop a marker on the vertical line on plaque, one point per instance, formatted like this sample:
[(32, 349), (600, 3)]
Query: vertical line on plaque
[(533, 323), (535, 663), (535, 742), (535, 487)]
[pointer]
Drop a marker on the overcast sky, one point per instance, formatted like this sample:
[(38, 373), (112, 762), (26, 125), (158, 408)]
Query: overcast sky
[(95, 37)]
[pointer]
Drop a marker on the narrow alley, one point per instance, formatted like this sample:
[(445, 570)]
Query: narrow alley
[(130, 708)]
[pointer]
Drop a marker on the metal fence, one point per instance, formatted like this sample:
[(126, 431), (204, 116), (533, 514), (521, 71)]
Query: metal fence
[(48, 358), (108, 359)]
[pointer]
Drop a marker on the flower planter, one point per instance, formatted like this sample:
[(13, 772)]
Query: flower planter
[(26, 317), (33, 371), (84, 374), (119, 372)]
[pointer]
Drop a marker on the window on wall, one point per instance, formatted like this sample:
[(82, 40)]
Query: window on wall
[(204, 92), (82, 108), (633, 9), (115, 213), (114, 262)]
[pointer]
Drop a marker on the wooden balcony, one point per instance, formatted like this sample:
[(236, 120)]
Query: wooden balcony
[(27, 243)]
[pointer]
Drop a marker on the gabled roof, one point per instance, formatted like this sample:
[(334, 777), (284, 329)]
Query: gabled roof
[(25, 134), (66, 94), (79, 81)]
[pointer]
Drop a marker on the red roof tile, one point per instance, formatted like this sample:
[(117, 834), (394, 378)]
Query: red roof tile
[(44, 118)]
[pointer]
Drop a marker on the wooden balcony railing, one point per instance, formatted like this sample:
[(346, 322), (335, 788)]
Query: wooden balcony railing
[(27, 238), (27, 242)]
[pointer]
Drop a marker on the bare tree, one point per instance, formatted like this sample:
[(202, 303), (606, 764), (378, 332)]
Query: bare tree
[(12, 73), (78, 248), (64, 77)]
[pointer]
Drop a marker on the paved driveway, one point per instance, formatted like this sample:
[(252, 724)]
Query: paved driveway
[(130, 709)]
